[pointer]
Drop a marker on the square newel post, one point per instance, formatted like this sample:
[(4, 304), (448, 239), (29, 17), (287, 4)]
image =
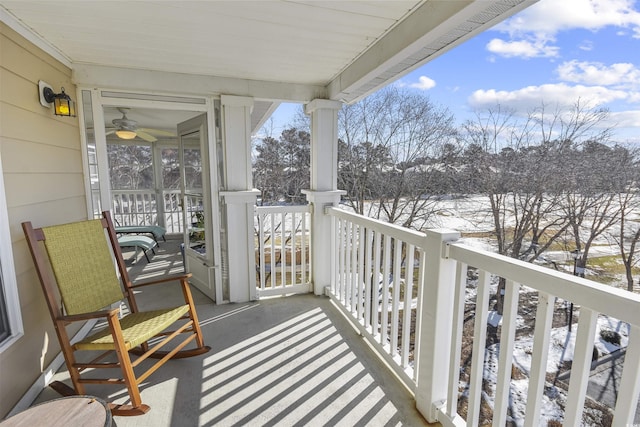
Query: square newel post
[(324, 187), (238, 200), (435, 319), (322, 250)]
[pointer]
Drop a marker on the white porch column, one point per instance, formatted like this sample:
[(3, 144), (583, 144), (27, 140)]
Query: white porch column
[(433, 344), (324, 186), (238, 198), (324, 144)]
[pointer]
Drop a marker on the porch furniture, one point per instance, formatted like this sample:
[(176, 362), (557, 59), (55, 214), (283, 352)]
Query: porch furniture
[(138, 242), (88, 411), (155, 231), (79, 255)]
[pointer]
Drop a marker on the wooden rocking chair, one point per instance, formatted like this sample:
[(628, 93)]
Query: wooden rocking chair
[(80, 256)]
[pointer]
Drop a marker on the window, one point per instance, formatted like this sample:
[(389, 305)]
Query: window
[(5, 330), (130, 166), (10, 319)]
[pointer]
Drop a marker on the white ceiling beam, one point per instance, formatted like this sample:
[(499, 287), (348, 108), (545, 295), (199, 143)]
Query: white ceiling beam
[(179, 83)]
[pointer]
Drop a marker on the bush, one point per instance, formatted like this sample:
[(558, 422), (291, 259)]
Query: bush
[(610, 336)]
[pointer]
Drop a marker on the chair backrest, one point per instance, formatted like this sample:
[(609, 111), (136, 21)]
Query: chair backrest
[(81, 261)]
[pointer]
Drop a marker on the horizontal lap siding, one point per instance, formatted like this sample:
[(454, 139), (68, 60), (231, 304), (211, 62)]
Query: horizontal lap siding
[(42, 171)]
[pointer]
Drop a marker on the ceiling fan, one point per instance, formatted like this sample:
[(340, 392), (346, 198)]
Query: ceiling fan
[(126, 128)]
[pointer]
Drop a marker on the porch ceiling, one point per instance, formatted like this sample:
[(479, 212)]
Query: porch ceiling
[(271, 50)]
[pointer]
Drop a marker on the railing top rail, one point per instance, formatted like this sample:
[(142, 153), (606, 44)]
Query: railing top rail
[(622, 304), (416, 238), (145, 191), (282, 209), (139, 191)]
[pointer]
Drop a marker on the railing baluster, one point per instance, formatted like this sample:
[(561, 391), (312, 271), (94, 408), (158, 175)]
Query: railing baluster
[(341, 254), (541, 339), (507, 340), (385, 290), (627, 401), (303, 247), (408, 299), (354, 267), (294, 249), (375, 283), (283, 250), (261, 251), (345, 259), (367, 277), (272, 242), (361, 277), (395, 299), (456, 338), (581, 366), (479, 344)]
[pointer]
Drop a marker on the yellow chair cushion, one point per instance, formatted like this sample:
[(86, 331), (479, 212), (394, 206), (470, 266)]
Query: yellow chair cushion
[(136, 329)]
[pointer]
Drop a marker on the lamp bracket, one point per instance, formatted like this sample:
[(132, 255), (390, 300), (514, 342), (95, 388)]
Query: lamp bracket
[(42, 88)]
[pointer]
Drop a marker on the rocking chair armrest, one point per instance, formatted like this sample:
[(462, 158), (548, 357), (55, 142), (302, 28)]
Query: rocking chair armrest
[(163, 280), (88, 316)]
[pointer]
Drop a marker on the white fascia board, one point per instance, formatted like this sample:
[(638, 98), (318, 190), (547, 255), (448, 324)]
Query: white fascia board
[(152, 81)]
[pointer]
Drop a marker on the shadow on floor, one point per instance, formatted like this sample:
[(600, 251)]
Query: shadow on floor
[(283, 361)]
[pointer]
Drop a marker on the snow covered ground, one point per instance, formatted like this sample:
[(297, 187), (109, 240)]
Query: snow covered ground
[(562, 344)]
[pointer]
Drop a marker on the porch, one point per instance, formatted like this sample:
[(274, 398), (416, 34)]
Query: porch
[(404, 337), (279, 361)]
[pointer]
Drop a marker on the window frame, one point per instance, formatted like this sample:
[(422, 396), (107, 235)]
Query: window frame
[(8, 275)]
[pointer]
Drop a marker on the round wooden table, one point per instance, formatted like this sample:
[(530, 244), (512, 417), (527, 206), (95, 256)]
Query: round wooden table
[(76, 411)]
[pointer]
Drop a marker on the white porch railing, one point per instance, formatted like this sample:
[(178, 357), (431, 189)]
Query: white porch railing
[(282, 249), (377, 268), (141, 207)]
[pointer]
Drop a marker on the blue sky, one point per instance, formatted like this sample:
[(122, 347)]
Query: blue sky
[(556, 52)]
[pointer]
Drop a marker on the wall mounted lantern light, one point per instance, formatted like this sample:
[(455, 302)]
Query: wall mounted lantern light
[(63, 104)]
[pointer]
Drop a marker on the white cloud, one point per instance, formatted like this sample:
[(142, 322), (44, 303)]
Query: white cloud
[(626, 118), (533, 30), (548, 17), (424, 83), (620, 75), (522, 48), (586, 45), (531, 97)]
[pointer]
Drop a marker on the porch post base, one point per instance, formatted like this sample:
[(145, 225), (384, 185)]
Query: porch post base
[(240, 240), (321, 249)]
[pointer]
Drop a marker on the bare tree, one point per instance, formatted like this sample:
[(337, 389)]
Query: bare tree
[(592, 205), (627, 236), (281, 166), (520, 164), (389, 144)]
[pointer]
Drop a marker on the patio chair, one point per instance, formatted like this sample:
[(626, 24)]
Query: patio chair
[(138, 242), (155, 231), (84, 278)]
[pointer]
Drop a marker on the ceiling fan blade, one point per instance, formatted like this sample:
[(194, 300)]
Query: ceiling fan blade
[(158, 132), (109, 132), (147, 137)]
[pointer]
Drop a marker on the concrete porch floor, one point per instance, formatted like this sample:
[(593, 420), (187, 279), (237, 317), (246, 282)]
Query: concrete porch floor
[(289, 361)]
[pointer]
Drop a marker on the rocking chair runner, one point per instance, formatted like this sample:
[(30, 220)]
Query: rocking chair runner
[(79, 254)]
